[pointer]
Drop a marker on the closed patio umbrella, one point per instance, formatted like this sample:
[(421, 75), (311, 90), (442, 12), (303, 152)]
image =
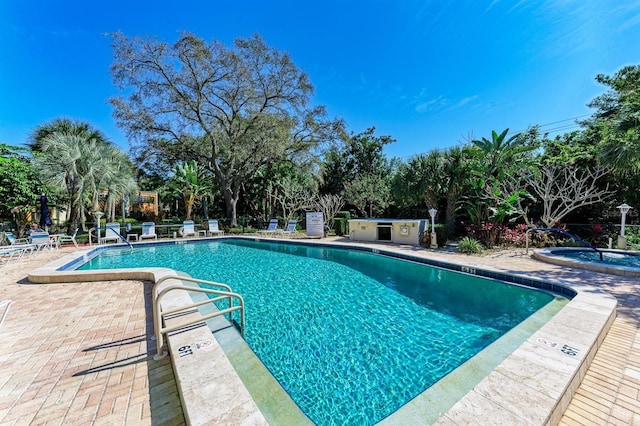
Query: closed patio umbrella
[(45, 218)]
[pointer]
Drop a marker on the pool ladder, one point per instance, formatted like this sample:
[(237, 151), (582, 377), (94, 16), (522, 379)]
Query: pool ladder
[(161, 330)]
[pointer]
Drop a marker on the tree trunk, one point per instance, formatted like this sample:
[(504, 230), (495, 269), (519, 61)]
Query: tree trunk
[(188, 208), (231, 210), (450, 218)]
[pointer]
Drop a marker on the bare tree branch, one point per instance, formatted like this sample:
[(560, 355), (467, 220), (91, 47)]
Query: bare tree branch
[(560, 188), (329, 205)]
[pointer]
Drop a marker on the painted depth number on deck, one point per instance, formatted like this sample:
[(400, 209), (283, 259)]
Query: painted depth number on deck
[(186, 349), (565, 349)]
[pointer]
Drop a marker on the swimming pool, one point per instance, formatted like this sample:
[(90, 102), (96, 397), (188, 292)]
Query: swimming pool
[(616, 262), (352, 336), (612, 258)]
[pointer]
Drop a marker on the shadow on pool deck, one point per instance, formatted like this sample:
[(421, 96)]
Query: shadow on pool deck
[(72, 328), (81, 353)]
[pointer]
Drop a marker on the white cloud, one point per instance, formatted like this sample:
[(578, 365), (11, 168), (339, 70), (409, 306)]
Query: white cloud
[(430, 105), (442, 103)]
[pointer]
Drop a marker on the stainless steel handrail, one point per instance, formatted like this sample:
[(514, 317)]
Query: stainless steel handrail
[(158, 314)]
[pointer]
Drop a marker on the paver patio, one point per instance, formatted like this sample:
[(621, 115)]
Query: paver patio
[(81, 353)]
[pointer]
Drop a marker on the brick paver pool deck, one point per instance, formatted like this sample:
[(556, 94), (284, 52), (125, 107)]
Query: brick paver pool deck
[(81, 353)]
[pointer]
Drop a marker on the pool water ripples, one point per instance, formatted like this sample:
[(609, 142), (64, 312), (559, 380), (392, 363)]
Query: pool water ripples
[(351, 336), (619, 259)]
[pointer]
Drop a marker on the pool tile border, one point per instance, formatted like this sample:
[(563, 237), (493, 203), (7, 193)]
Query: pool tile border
[(549, 347)]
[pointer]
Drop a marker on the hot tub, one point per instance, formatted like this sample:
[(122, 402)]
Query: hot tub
[(399, 231)]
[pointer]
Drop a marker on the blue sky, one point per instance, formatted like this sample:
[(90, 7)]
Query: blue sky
[(427, 73)]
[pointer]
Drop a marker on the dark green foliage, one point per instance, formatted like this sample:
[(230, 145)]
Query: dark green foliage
[(361, 171), (344, 216), (469, 246), (340, 226), (615, 126), (441, 234), (19, 183)]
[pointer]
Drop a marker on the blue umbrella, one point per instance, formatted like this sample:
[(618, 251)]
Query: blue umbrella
[(45, 218)]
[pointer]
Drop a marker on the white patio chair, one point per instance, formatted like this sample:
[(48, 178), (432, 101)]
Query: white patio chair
[(10, 254), (148, 231), (69, 238), (111, 233), (13, 240), (272, 228), (214, 228), (42, 240), (188, 228), (291, 227)]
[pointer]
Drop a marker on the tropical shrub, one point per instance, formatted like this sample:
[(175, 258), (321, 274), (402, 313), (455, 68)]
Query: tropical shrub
[(340, 225), (441, 233), (598, 236), (492, 234), (469, 246)]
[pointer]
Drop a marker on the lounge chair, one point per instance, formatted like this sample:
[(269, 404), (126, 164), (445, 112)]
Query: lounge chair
[(214, 228), (22, 244), (69, 238), (14, 241), (291, 227), (11, 253), (42, 240), (272, 228), (148, 231), (188, 228), (111, 233)]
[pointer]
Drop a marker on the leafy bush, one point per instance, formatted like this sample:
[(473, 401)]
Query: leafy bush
[(469, 246), (633, 237), (441, 233), (340, 226), (598, 236), (492, 234)]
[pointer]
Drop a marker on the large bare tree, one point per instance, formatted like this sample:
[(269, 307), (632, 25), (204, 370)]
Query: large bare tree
[(560, 189), (329, 205), (231, 109)]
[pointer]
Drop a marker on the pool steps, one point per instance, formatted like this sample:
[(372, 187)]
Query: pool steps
[(159, 291)]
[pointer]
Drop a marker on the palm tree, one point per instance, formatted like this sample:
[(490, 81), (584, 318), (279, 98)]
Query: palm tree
[(61, 166), (436, 178), (80, 161), (494, 160), (116, 180), (62, 126), (190, 182), (495, 155)]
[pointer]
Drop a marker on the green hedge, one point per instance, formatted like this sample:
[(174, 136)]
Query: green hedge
[(340, 226), (341, 223), (441, 235)]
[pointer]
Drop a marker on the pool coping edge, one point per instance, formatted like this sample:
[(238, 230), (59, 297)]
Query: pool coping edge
[(588, 302)]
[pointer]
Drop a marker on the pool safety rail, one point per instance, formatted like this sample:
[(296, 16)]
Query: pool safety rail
[(91, 234), (160, 329), (562, 231), (123, 239)]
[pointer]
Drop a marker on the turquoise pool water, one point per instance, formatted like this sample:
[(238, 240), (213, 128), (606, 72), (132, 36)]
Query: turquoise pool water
[(608, 257), (351, 336)]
